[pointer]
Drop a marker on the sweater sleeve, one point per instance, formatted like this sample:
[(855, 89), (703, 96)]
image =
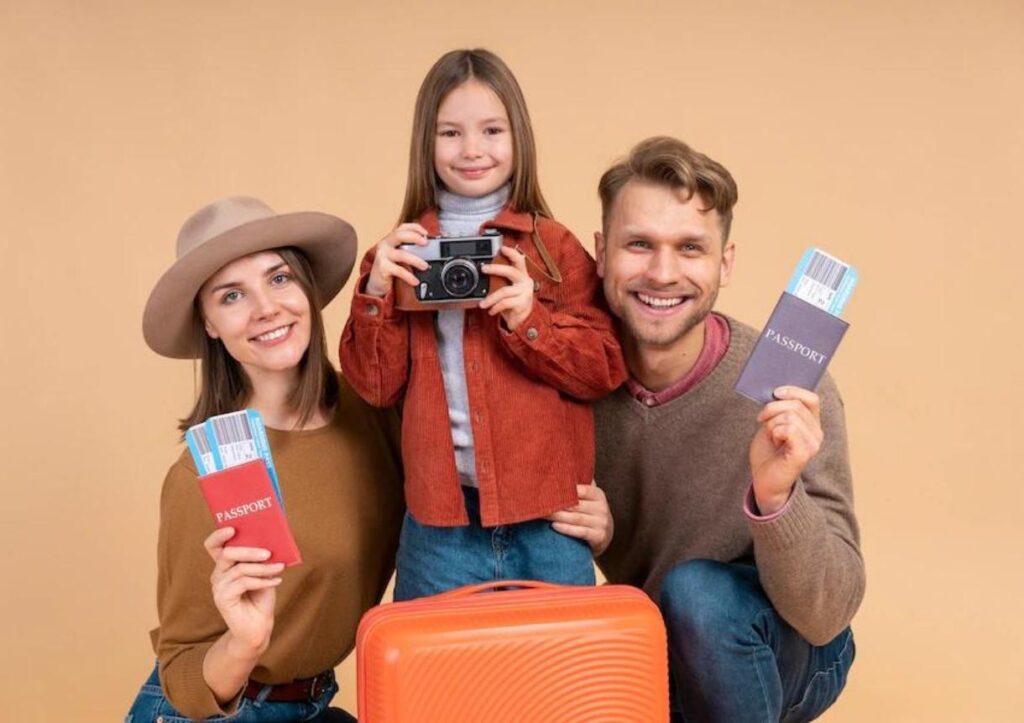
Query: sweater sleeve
[(374, 348), (808, 556), (189, 620), (568, 340)]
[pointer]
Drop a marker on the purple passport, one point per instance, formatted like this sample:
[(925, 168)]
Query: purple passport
[(794, 348)]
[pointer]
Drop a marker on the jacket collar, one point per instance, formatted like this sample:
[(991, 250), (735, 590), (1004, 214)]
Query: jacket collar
[(506, 219)]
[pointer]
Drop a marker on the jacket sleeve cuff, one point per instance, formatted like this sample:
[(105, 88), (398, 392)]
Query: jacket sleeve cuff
[(370, 309), (186, 688), (534, 331), (798, 518)]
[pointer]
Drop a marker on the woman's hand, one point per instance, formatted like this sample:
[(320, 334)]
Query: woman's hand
[(515, 301), (244, 592), (589, 520), (391, 262)]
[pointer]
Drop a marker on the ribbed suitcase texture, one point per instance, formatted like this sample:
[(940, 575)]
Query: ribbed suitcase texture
[(541, 653)]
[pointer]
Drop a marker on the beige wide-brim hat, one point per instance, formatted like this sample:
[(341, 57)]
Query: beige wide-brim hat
[(229, 229)]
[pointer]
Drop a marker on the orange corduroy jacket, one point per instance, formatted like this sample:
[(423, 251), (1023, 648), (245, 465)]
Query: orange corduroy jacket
[(529, 389)]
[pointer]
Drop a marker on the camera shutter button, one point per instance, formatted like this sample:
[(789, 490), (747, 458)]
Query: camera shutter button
[(532, 333)]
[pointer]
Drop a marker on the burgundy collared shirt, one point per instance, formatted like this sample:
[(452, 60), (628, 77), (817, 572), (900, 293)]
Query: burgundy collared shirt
[(716, 343)]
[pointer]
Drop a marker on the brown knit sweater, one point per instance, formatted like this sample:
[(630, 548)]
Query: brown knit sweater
[(676, 476), (342, 494)]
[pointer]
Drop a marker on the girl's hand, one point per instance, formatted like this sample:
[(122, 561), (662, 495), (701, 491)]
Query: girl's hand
[(391, 262), (590, 520), (515, 301), (244, 592), (789, 436)]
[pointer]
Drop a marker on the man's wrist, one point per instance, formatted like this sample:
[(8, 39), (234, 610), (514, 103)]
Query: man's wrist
[(767, 505)]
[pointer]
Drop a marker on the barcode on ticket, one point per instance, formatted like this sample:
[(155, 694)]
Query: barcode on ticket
[(823, 280), (232, 439)]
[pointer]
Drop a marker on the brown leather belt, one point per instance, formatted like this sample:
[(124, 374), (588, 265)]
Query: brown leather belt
[(306, 689)]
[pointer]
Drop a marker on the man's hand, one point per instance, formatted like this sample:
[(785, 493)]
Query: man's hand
[(590, 520), (789, 436)]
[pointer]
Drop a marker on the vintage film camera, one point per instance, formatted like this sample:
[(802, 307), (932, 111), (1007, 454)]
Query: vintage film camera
[(454, 279)]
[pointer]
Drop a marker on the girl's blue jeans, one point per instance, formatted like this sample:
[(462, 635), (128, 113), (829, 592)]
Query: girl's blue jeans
[(733, 658), (432, 560), (151, 706)]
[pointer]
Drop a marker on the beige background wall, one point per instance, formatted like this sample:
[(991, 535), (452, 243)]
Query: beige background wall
[(891, 133)]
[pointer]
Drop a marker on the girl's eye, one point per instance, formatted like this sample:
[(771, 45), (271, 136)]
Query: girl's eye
[(231, 297), (278, 279), (448, 133), (494, 130)]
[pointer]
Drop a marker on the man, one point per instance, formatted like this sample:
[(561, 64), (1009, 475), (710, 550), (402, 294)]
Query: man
[(738, 520)]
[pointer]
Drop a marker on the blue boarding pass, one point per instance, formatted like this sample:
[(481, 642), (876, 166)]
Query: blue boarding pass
[(228, 440), (199, 446), (824, 281)]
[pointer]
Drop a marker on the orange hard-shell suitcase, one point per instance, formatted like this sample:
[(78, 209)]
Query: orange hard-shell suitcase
[(541, 653)]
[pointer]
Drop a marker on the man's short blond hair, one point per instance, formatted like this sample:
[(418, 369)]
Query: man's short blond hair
[(670, 162)]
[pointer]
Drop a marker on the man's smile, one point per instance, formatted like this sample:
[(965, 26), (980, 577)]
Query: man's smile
[(659, 304)]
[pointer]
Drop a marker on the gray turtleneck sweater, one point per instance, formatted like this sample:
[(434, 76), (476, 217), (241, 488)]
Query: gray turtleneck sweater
[(460, 216)]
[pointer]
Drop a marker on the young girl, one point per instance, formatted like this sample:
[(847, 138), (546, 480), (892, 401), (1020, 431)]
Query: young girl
[(497, 433), (242, 639)]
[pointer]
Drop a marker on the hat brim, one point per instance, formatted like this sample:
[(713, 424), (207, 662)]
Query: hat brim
[(327, 241)]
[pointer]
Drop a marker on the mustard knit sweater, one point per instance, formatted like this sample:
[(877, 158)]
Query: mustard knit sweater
[(341, 486)]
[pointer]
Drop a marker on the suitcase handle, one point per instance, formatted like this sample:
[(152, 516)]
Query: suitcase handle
[(468, 590)]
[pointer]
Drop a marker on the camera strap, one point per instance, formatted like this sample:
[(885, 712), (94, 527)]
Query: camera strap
[(551, 273)]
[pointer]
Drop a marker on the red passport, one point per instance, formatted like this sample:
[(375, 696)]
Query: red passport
[(243, 497)]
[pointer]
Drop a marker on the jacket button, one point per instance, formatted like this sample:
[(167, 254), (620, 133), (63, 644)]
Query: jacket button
[(372, 309), (532, 333)]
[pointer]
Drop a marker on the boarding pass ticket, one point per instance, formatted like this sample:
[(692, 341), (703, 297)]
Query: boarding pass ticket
[(824, 281), (228, 440)]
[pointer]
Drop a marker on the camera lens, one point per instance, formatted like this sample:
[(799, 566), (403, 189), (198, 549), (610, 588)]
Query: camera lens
[(459, 277)]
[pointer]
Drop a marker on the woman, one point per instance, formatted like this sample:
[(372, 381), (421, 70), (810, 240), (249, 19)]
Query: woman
[(244, 296)]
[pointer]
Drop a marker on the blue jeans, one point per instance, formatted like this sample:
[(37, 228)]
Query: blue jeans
[(734, 659), (432, 560), (151, 705)]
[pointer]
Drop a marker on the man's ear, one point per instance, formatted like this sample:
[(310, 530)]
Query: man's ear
[(728, 258), (599, 246)]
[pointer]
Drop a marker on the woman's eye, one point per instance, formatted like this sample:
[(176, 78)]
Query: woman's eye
[(278, 279), (231, 297)]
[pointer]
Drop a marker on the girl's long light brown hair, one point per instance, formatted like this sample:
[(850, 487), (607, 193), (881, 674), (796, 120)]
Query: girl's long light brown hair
[(453, 69), (225, 387)]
